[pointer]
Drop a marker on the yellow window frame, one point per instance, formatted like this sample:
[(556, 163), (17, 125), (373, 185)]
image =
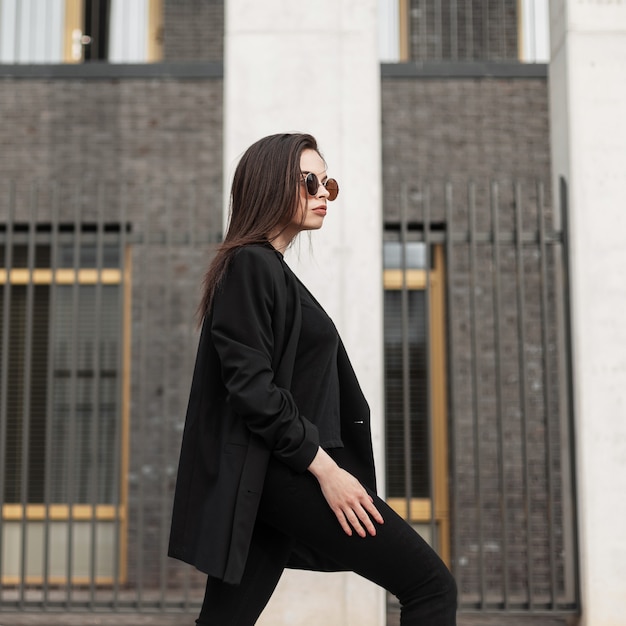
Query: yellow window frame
[(55, 512)]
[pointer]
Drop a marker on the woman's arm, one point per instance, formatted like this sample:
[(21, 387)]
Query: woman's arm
[(245, 309), (347, 498)]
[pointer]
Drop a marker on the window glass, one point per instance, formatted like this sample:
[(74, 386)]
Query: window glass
[(61, 392), (414, 255), (85, 386), (396, 435)]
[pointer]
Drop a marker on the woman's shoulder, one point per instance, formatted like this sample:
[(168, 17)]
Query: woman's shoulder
[(257, 262), (254, 272), (261, 257), (258, 251)]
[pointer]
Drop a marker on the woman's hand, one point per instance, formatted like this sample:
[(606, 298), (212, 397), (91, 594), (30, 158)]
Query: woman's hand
[(347, 498)]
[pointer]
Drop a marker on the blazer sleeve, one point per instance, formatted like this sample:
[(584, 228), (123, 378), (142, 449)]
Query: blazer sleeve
[(244, 335)]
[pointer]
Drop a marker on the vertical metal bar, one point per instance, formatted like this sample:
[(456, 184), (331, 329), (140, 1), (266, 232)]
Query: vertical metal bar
[(497, 316), (54, 244), (96, 416), (142, 359), (118, 477), (569, 380), (167, 365), (191, 218), (503, 38), (4, 356), (451, 360), (523, 387), (475, 390), (26, 394), (406, 362), (486, 28), (423, 31), (438, 31), (469, 30), (429, 369), (454, 31), (547, 391), (70, 459)]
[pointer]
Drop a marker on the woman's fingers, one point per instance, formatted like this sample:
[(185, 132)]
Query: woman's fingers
[(358, 515), (343, 521), (373, 511)]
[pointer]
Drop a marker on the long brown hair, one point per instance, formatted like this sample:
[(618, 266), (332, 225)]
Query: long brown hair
[(264, 198)]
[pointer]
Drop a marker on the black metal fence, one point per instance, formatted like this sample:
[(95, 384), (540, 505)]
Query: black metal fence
[(509, 468), (98, 288)]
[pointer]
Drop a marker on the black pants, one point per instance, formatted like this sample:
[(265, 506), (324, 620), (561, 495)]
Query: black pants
[(293, 509)]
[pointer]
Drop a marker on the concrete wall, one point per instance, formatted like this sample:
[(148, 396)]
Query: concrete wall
[(315, 69), (588, 92)]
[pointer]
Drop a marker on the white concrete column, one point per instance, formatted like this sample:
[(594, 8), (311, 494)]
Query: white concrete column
[(588, 101), (313, 67)]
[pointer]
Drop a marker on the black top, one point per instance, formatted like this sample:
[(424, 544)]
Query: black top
[(315, 382)]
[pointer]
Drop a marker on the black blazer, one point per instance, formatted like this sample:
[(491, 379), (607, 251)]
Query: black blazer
[(241, 410)]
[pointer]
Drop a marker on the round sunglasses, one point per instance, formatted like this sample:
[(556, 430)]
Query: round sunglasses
[(313, 183)]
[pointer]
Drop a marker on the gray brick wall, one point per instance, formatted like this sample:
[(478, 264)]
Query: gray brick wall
[(111, 130)]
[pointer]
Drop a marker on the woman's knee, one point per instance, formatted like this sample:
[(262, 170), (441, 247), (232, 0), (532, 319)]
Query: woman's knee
[(436, 592)]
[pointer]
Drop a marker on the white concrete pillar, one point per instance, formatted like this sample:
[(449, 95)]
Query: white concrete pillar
[(313, 67), (588, 120)]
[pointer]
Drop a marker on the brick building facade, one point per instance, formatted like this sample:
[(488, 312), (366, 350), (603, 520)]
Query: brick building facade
[(153, 144)]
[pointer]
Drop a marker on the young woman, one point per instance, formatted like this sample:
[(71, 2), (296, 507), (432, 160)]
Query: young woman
[(276, 467)]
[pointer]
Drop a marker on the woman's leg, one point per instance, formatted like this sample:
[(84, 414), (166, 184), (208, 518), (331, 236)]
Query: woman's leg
[(241, 605), (397, 558)]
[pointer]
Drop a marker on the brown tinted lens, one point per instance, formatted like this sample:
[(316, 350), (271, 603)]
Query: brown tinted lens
[(312, 184), (332, 186)]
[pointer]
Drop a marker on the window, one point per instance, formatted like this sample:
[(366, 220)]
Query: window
[(75, 31), (64, 306), (447, 30), (415, 411)]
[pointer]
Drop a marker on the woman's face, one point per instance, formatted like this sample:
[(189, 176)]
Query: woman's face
[(311, 209)]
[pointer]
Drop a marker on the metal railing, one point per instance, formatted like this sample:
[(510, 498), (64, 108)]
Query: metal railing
[(510, 472), (98, 289), (99, 286)]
